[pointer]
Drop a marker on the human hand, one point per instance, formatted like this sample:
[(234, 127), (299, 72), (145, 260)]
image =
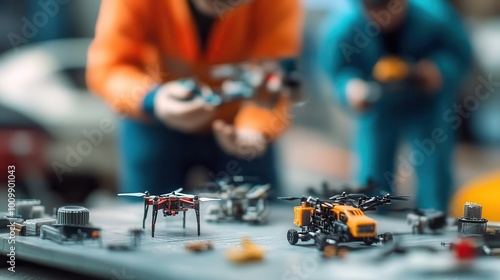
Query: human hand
[(242, 143), (428, 76), (358, 94), (175, 106)]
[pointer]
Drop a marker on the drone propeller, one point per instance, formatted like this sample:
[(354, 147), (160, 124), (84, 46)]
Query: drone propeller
[(398, 197), (200, 198), (356, 195), (176, 192), (185, 195), (208, 199), (335, 197), (179, 194), (344, 195), (290, 198), (137, 194)]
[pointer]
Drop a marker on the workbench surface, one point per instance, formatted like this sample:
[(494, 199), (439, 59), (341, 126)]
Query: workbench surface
[(164, 256)]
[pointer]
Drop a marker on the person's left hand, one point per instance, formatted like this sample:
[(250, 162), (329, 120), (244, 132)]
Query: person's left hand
[(242, 143), (428, 76)]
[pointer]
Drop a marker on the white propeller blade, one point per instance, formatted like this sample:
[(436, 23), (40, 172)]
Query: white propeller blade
[(185, 195), (177, 192), (132, 194), (208, 199)]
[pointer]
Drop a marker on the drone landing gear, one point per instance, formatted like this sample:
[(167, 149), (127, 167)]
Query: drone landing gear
[(184, 218), (196, 204), (146, 208), (153, 218)]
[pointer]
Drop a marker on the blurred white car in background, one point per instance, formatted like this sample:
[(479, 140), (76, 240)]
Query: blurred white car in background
[(45, 82)]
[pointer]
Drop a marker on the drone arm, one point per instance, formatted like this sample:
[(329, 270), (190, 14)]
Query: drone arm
[(190, 203), (373, 202)]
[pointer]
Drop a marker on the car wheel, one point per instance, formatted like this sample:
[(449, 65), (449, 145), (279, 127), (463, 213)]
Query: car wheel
[(292, 236), (368, 241)]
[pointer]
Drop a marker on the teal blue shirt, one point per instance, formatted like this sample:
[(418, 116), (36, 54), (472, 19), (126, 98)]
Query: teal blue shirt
[(432, 30)]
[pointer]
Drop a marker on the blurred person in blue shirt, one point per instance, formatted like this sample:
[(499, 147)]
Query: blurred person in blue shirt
[(397, 65)]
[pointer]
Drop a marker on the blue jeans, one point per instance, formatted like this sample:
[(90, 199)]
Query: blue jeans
[(156, 158), (418, 119)]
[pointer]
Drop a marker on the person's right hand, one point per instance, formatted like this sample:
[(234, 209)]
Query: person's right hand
[(358, 92), (175, 106)]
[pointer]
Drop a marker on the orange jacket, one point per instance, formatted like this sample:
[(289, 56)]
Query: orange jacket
[(142, 43)]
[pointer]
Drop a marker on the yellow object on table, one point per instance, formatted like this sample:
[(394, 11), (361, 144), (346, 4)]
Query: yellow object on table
[(484, 190), (248, 253)]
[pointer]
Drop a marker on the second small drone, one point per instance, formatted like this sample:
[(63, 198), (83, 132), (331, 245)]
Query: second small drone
[(170, 204), (240, 200)]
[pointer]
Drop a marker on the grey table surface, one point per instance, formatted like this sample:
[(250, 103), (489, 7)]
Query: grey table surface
[(164, 256)]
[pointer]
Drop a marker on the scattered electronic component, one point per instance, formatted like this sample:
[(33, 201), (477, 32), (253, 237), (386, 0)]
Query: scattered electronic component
[(249, 252), (71, 224), (33, 225), (60, 233), (472, 222), (240, 200), (73, 215), (6, 220), (397, 248), (136, 234), (421, 219), (475, 239), (38, 211), (24, 208), (52, 233), (199, 246), (331, 251), (19, 229), (465, 250), (79, 232)]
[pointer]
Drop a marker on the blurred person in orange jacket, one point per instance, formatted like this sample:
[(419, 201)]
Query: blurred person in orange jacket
[(139, 61)]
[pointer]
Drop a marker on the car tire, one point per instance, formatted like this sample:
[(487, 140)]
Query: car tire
[(292, 236), (368, 241)]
